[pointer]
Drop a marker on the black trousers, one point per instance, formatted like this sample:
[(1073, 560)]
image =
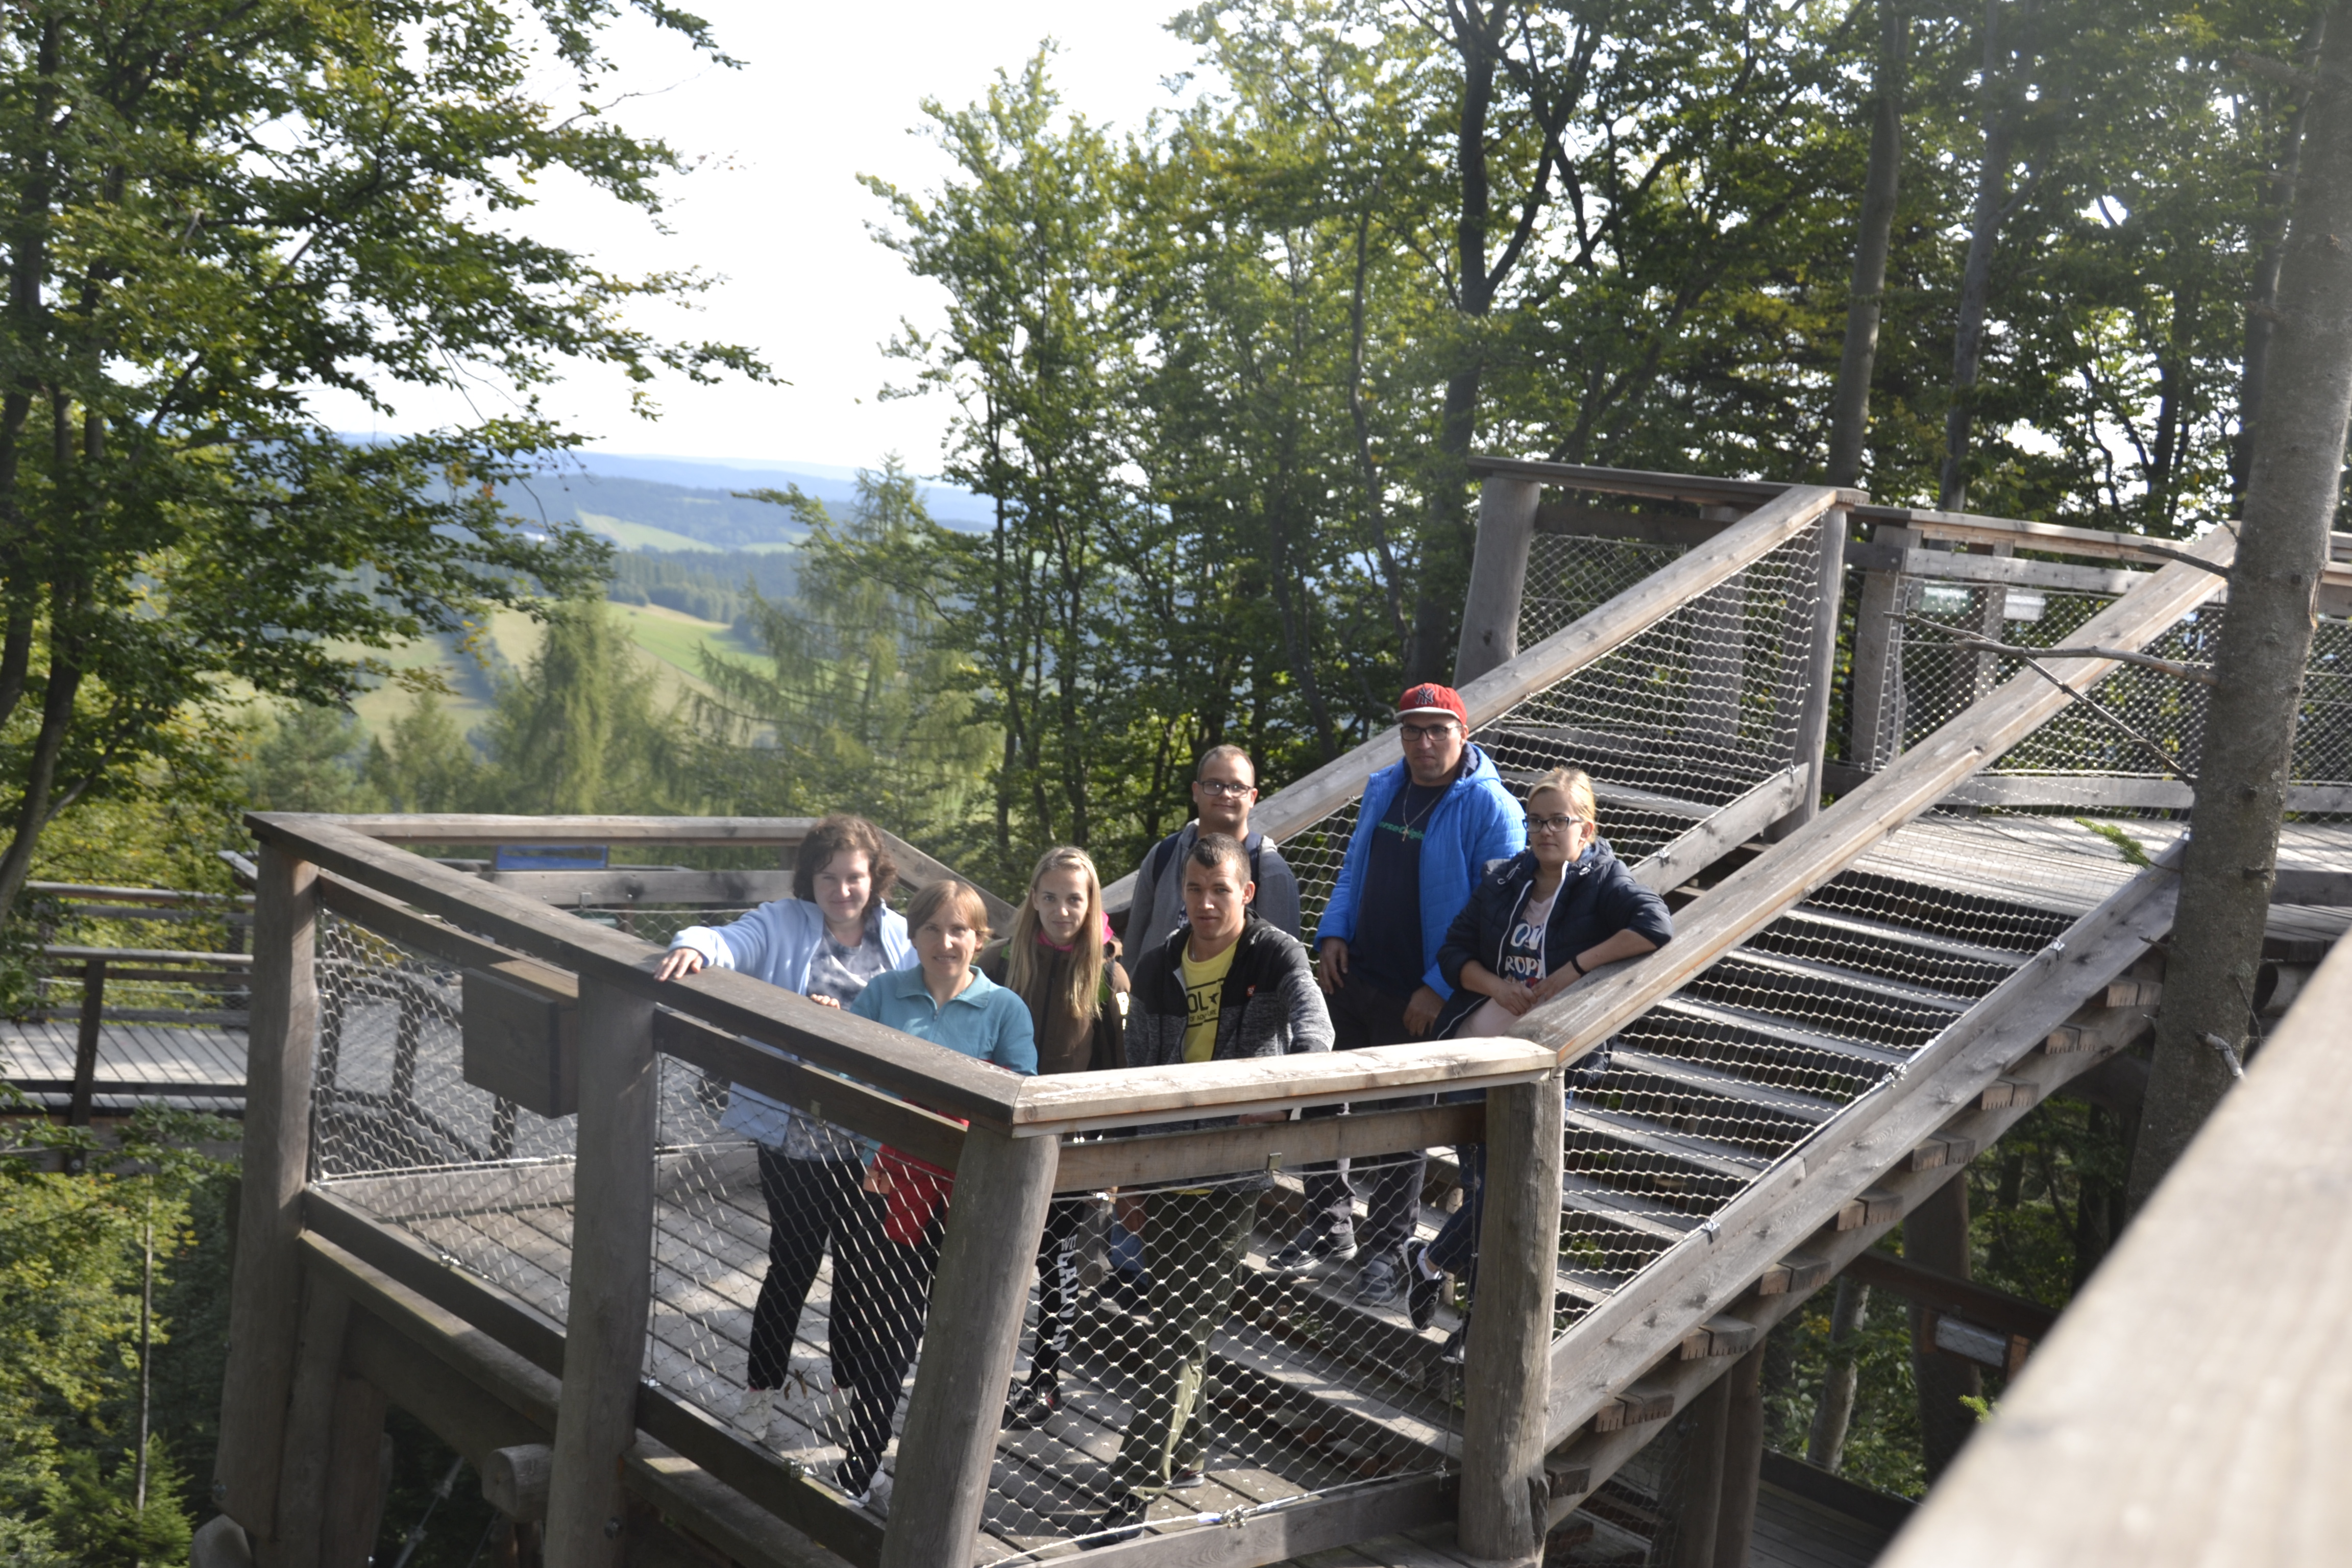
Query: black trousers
[(1364, 1013), (811, 1203), (884, 1292), (1058, 1286)]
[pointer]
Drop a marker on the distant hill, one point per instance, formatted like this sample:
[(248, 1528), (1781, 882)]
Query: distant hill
[(835, 486), (645, 514)]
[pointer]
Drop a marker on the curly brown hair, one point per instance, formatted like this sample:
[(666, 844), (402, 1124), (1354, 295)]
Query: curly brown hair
[(829, 837)]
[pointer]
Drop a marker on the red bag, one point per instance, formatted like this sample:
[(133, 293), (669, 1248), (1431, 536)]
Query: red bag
[(919, 1190)]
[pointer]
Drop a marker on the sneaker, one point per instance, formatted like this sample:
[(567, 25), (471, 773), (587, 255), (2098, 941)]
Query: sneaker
[(1456, 1344), (1421, 1289), (875, 1497), (1122, 1520), (1382, 1281), (752, 1411), (1314, 1251), (1031, 1403), (1187, 1478)]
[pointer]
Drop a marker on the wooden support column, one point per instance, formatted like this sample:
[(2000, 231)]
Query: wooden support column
[(948, 1444), (1875, 710), (1506, 1374), (1820, 673), (611, 1278), (266, 1287), (1700, 1495), (1935, 1236), (1499, 576), (359, 1468), (305, 1467), (85, 1077), (1743, 1458)]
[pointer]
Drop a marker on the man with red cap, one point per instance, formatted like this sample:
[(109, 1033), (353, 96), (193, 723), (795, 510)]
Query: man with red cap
[(1427, 829)]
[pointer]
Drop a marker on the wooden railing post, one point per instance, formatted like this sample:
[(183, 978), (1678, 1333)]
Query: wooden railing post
[(1499, 576), (85, 1078), (612, 1276), (1820, 672), (948, 1444), (1506, 1374), (266, 1287), (1875, 722)]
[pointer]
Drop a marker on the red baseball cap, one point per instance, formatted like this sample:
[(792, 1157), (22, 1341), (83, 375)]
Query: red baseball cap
[(1431, 698)]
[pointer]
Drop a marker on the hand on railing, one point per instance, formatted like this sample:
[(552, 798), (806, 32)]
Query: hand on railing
[(678, 961)]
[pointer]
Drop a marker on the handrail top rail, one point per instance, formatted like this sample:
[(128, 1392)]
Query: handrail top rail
[(139, 895), (152, 955), (1698, 488), (490, 828), (1070, 1102)]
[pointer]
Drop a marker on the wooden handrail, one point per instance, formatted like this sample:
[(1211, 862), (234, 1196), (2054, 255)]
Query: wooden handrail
[(152, 955), (1695, 488), (138, 895), (1755, 894), (1787, 512)]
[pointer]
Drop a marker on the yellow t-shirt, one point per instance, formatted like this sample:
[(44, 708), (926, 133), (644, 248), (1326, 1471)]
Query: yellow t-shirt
[(1205, 988)]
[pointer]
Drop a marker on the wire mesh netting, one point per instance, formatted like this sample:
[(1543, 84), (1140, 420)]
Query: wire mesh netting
[(2128, 759)]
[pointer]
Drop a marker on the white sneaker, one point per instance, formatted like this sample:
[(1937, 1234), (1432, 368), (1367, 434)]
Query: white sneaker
[(876, 1495), (755, 1410)]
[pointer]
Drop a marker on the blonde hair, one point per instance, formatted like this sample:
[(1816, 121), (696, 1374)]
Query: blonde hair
[(1025, 964), (1573, 784), (946, 891)]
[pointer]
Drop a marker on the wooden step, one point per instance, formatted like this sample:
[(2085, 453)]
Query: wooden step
[(1763, 1048), (1927, 957), (1831, 1001), (1923, 905)]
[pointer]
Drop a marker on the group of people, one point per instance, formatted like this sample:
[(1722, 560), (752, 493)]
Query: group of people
[(1456, 908)]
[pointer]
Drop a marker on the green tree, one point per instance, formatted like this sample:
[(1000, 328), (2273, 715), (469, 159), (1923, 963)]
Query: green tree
[(425, 765), (213, 209), (578, 732), (859, 706), (307, 760)]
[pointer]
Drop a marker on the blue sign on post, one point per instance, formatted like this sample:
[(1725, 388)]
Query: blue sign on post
[(551, 857)]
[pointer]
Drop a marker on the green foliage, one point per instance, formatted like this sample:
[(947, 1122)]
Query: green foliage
[(861, 708), (96, 1515), (425, 765), (578, 732), (178, 523), (2126, 845), (305, 761)]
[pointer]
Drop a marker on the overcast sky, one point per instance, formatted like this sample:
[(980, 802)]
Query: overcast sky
[(825, 93)]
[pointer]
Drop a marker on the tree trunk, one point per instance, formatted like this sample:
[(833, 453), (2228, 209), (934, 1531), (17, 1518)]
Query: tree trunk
[(1984, 236), (1833, 1417), (2262, 296), (2247, 756), (1850, 403)]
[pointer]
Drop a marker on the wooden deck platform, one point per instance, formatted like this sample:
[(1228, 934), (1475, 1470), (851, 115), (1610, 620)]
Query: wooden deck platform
[(137, 1063)]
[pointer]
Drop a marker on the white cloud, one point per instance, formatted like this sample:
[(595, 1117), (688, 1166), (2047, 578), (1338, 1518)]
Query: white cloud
[(826, 93)]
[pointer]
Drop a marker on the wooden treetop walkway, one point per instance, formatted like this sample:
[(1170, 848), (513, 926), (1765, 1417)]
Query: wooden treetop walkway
[(1857, 1000)]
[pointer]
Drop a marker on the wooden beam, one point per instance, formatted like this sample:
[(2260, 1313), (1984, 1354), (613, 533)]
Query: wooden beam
[(1506, 1375), (266, 1281), (2105, 1449), (947, 1450), (305, 1468), (578, 888), (1701, 489), (942, 1078), (452, 1406), (828, 1096), (1499, 576), (1294, 1528), (359, 1468), (1820, 672), (1097, 1163), (1743, 1459), (1126, 1097), (1722, 831), (486, 828), (1779, 1291), (1752, 897), (1625, 1334), (1951, 566), (1565, 518), (610, 1279), (1979, 1304)]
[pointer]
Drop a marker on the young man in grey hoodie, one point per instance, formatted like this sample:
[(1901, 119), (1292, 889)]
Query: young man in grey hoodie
[(1225, 987)]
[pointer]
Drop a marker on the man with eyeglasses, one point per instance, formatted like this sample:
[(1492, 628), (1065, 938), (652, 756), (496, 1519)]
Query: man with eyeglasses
[(1223, 790), (1426, 830)]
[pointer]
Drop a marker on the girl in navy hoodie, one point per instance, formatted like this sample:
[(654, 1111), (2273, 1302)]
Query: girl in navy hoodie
[(1538, 923)]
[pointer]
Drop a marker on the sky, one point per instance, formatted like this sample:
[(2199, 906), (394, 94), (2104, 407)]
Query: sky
[(774, 211)]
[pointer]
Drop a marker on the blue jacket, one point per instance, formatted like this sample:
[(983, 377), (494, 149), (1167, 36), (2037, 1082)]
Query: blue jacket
[(1474, 823), (1597, 898), (983, 1019), (776, 942)]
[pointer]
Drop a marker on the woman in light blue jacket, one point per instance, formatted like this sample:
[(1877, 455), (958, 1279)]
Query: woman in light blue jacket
[(826, 944)]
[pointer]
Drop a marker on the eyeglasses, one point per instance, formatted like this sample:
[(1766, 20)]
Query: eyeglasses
[(1426, 735), (1223, 788), (1552, 823)]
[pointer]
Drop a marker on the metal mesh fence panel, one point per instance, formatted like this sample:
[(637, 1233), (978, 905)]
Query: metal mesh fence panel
[(1569, 576)]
